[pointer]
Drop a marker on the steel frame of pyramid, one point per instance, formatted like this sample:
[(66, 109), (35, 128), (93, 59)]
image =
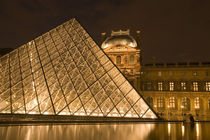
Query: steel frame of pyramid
[(64, 72)]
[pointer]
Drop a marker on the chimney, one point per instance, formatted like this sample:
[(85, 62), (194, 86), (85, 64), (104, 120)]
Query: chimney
[(103, 37), (138, 38)]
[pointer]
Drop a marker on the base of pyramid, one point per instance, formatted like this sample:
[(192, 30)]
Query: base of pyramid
[(23, 118)]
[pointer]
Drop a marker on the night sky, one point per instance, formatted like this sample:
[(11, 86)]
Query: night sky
[(171, 30)]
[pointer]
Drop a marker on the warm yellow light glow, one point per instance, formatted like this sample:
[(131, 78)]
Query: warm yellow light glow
[(182, 130), (169, 128), (197, 130), (32, 112), (82, 114)]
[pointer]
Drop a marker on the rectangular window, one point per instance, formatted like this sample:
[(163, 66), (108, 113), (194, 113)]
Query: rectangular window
[(207, 86), (197, 103), (160, 86), (160, 102), (195, 86), (183, 86), (184, 102), (171, 86), (172, 102), (149, 85)]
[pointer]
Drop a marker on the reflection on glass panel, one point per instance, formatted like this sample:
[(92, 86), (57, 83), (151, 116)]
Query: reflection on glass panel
[(140, 107), (100, 96), (31, 104), (64, 111), (149, 114), (105, 80), (116, 96), (119, 79), (106, 106), (131, 114), (123, 107), (125, 87), (90, 106), (113, 72), (90, 80), (75, 105), (59, 105), (109, 88), (99, 72), (95, 88), (5, 102), (35, 110), (132, 96), (85, 96), (96, 112), (70, 96), (45, 105)]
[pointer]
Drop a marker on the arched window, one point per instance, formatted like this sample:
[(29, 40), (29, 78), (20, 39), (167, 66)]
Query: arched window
[(118, 59), (131, 59)]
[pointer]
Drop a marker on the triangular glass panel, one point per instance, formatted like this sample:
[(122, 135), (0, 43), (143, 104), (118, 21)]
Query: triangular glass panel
[(96, 112), (35, 110), (114, 113), (65, 111), (149, 114), (131, 114), (80, 112), (65, 72), (123, 106)]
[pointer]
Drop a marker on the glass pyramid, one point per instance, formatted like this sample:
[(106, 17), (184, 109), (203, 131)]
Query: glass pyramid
[(64, 72)]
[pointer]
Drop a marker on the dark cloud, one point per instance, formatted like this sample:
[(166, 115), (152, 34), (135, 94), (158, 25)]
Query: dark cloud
[(171, 30)]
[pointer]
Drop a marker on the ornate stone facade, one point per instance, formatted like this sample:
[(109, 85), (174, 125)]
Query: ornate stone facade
[(174, 90)]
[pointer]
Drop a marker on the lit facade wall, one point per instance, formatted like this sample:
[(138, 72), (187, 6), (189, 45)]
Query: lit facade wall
[(173, 90), (187, 84)]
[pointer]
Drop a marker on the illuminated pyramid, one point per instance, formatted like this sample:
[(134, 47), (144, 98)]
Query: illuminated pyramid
[(64, 72)]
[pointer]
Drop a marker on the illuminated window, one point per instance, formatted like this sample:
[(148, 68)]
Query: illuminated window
[(195, 86), (118, 59), (172, 102), (159, 73), (160, 102), (207, 86), (183, 86), (185, 103), (195, 73), (149, 85), (197, 103), (171, 86), (160, 86), (131, 59)]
